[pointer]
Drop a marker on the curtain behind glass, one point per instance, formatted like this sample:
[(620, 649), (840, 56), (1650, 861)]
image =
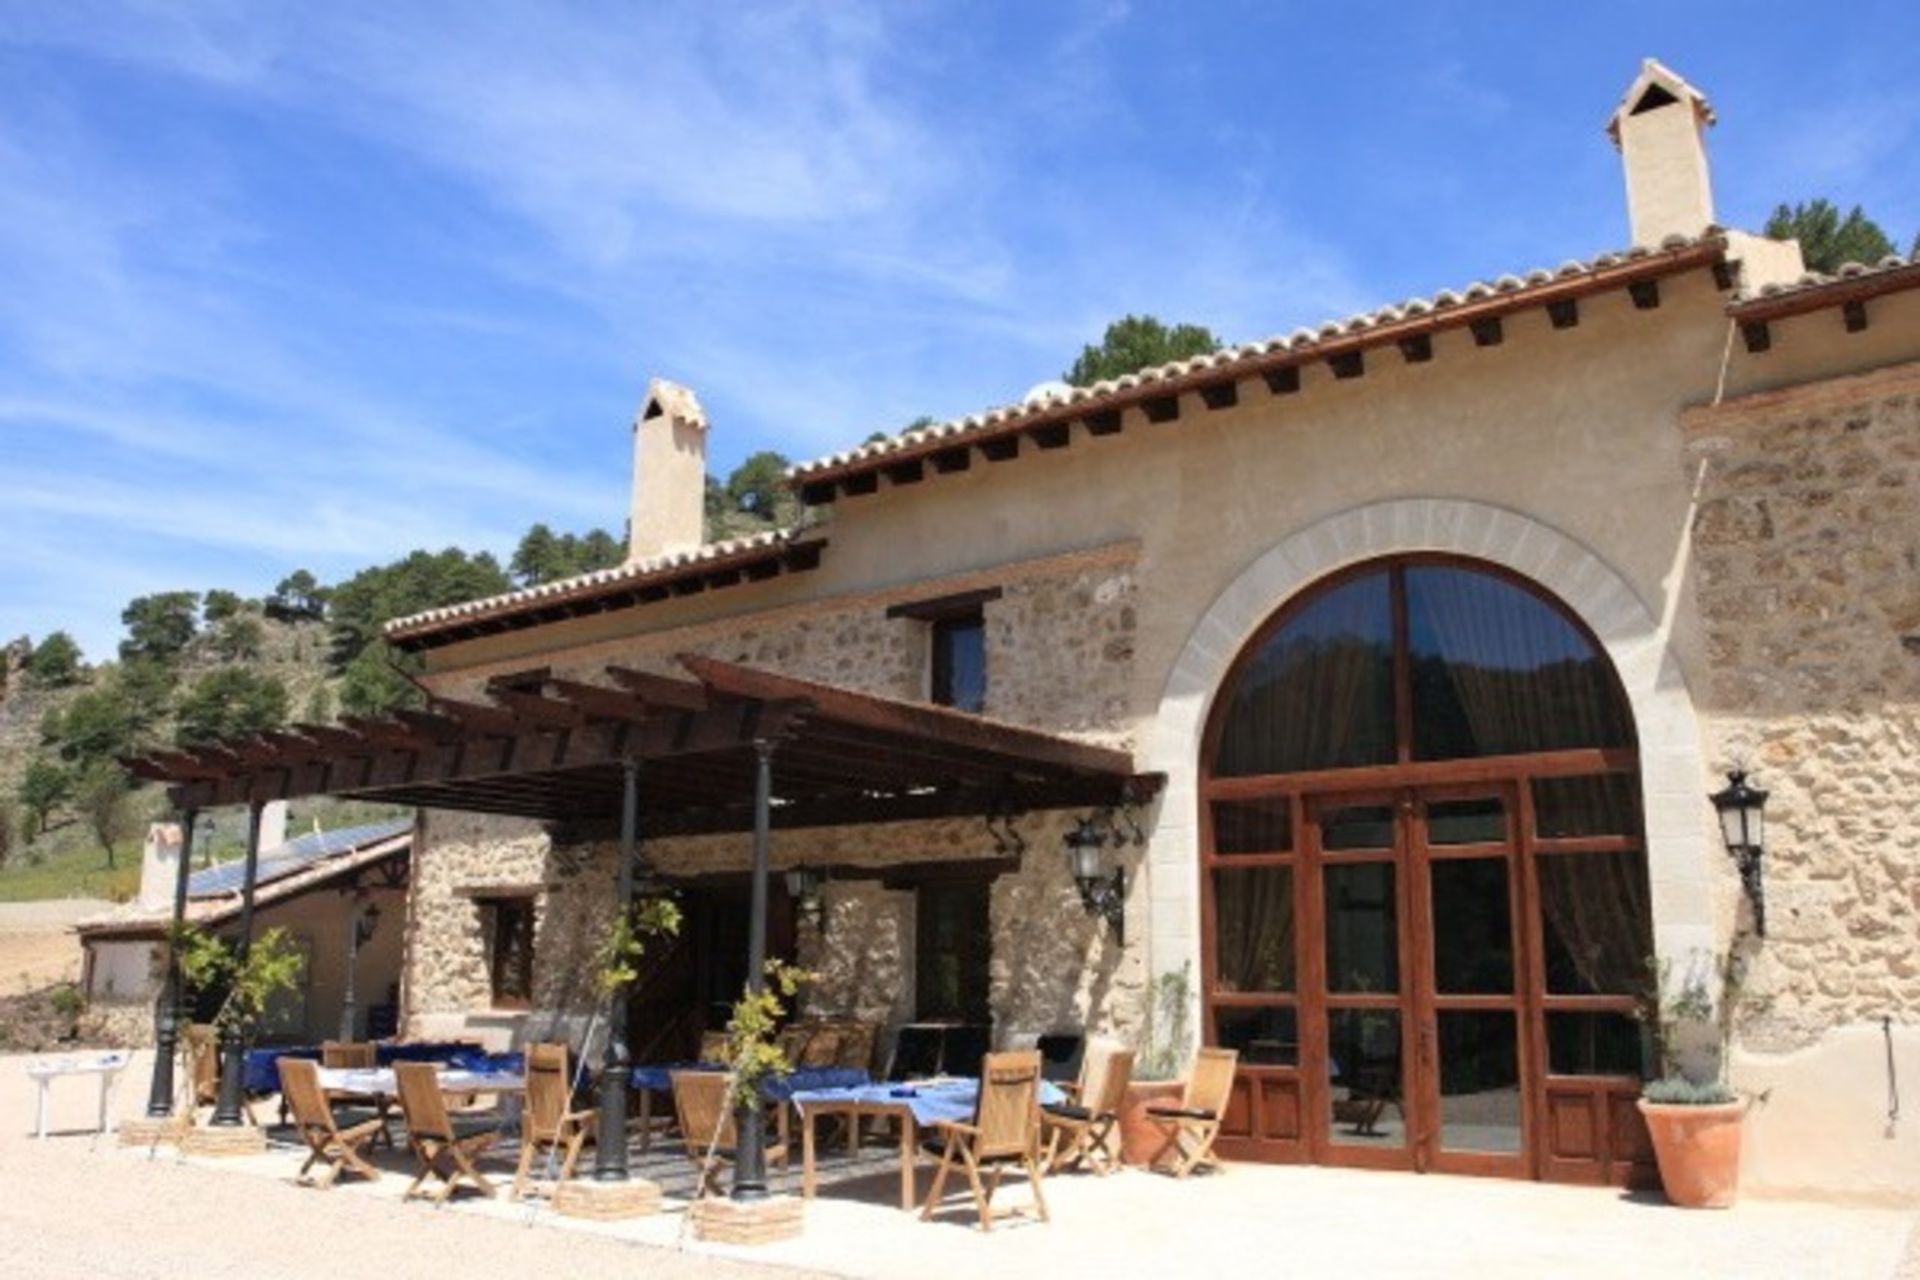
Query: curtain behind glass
[(1595, 918), (1498, 671), (1253, 928), (1319, 694)]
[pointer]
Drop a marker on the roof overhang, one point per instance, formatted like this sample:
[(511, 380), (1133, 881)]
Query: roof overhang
[(556, 752), (1048, 423), (709, 568)]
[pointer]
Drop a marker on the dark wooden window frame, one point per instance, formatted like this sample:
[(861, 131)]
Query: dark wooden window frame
[(1265, 1092), (500, 912)]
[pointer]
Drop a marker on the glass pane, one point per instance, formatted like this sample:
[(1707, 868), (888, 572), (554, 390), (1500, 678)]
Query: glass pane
[(1319, 693), (1606, 804), (1357, 827), (1253, 826), (1499, 671), (1363, 1065), (1597, 1044), (960, 663), (1264, 1037), (1479, 1081), (1363, 941), (1596, 922), (1253, 928), (1482, 820), (1472, 927)]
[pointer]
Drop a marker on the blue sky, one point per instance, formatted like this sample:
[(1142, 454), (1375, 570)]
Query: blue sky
[(313, 285)]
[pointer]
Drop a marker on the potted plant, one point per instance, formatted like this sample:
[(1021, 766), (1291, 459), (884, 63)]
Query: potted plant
[(1165, 1044), (1693, 1114)]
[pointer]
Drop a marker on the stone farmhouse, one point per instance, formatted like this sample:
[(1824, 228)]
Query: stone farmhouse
[(1384, 671)]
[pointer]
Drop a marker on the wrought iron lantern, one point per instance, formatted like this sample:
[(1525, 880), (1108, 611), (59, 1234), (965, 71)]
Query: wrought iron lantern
[(1102, 892), (804, 886), (365, 923), (1742, 811)]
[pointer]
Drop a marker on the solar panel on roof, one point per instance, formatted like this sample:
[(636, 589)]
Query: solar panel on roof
[(293, 856)]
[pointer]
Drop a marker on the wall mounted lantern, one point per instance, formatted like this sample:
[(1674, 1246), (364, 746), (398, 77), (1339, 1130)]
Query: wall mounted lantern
[(1102, 892), (1742, 811), (368, 921), (804, 886)]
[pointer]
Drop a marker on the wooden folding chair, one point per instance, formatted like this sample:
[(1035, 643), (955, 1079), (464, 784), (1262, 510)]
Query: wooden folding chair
[(1005, 1131), (327, 1143), (713, 1047), (1080, 1132), (359, 1055), (443, 1151), (1195, 1123), (548, 1123), (707, 1126)]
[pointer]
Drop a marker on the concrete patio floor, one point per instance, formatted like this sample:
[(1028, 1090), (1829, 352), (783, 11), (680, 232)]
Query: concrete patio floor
[(128, 1213)]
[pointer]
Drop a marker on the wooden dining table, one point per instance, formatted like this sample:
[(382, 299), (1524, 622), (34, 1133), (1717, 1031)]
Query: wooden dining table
[(912, 1107)]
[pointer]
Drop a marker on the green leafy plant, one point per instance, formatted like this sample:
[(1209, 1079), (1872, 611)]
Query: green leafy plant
[(273, 966), (1167, 1034), (67, 1001), (753, 1052), (1696, 1017), (617, 962)]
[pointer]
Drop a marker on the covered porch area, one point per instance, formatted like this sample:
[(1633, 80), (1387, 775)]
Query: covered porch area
[(720, 754)]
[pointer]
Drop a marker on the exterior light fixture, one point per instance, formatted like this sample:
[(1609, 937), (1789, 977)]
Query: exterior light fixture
[(368, 921), (804, 886), (1103, 893), (1742, 811)]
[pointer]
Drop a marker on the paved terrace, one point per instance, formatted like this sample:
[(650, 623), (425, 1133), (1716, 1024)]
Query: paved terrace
[(77, 1206)]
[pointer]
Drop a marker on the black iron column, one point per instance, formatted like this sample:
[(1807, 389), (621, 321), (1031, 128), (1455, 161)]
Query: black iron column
[(610, 1142), (233, 1050), (168, 1017), (750, 1169)]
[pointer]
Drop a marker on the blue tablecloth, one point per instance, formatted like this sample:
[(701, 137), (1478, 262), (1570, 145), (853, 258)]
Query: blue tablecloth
[(930, 1103), (659, 1075), (261, 1076)]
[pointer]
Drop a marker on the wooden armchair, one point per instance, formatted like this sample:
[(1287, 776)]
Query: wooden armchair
[(1005, 1131), (444, 1151), (352, 1055), (1080, 1132), (707, 1126), (713, 1047), (327, 1143), (549, 1122), (1195, 1123), (201, 1047)]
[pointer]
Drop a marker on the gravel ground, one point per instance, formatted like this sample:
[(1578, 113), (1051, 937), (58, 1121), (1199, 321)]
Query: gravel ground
[(72, 1208), (76, 1207)]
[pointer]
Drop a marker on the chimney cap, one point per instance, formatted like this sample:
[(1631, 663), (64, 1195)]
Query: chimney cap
[(670, 399), (1655, 86)]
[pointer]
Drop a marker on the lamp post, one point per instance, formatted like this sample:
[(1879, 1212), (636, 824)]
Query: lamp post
[(610, 1142), (228, 1107), (361, 924), (750, 1169), (167, 1018), (1103, 893), (1742, 812)]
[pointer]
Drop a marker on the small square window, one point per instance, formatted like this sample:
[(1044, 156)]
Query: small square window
[(507, 924), (959, 657)]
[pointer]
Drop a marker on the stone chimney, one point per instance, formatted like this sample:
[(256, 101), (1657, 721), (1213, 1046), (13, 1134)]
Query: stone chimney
[(273, 825), (1660, 127), (158, 857), (669, 473)]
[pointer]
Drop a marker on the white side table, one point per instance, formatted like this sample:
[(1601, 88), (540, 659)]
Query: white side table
[(106, 1067)]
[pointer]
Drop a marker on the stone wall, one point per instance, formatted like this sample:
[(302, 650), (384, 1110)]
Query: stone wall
[(1806, 549), (1059, 655)]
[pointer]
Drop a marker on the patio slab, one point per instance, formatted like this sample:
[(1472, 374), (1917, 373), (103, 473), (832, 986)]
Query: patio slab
[(1294, 1221)]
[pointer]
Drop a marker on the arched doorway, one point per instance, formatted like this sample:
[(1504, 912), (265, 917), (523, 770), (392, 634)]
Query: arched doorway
[(1424, 897)]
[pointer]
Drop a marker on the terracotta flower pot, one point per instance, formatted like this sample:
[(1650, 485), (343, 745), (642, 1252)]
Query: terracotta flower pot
[(1142, 1140), (1698, 1149)]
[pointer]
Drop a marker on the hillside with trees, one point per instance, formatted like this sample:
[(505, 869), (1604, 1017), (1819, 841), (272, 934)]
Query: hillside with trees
[(195, 666)]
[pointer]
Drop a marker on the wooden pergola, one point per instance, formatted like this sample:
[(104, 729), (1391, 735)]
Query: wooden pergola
[(554, 749), (726, 748)]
